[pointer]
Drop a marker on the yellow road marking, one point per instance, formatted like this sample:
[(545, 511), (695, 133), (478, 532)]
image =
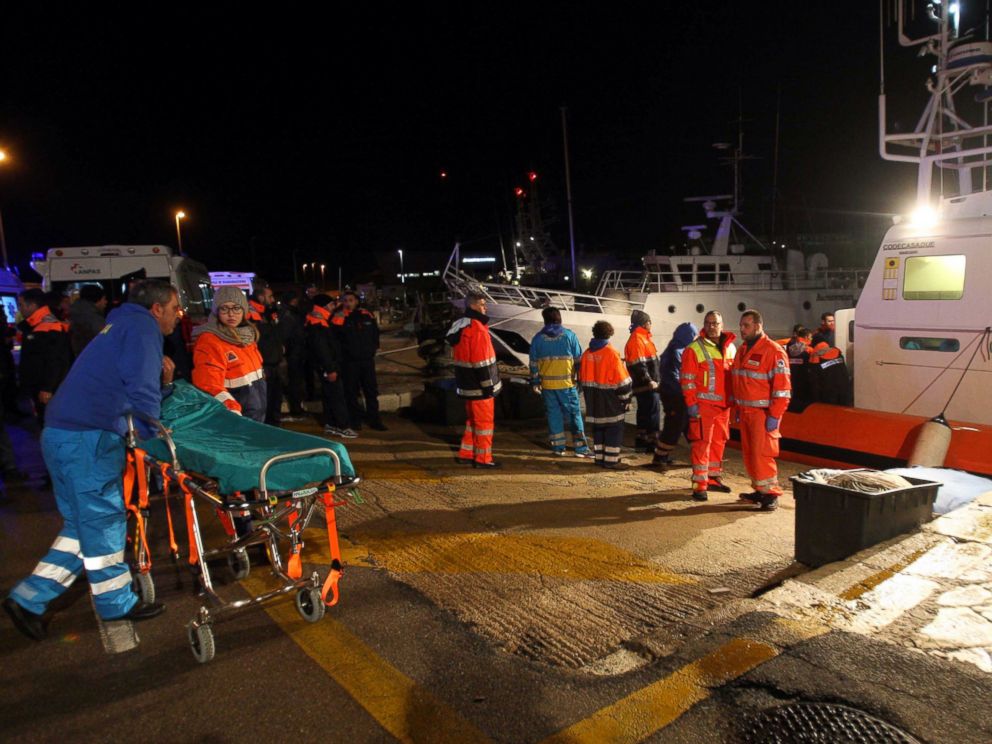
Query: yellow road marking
[(866, 585), (642, 713), (579, 559), (401, 706)]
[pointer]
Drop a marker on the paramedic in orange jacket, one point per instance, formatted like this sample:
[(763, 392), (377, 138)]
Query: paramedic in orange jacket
[(761, 390), (477, 380), (706, 364), (606, 386), (226, 360)]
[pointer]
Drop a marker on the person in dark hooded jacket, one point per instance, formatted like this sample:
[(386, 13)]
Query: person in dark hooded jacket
[(86, 316), (45, 352), (676, 417)]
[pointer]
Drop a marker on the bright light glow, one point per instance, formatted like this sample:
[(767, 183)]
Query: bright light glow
[(3, 156), (923, 216), (180, 215), (518, 244), (566, 277), (479, 259), (587, 273)]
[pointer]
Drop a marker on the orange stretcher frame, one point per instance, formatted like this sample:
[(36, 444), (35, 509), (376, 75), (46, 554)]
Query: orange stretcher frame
[(276, 516)]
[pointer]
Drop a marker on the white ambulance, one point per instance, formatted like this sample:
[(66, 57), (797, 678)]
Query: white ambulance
[(68, 269)]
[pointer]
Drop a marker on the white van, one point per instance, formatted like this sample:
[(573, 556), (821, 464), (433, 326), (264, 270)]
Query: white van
[(68, 269)]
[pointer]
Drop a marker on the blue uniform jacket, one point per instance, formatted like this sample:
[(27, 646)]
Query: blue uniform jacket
[(671, 358), (119, 371), (554, 356)]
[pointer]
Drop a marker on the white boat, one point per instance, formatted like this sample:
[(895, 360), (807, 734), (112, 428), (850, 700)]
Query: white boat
[(674, 289), (921, 327)]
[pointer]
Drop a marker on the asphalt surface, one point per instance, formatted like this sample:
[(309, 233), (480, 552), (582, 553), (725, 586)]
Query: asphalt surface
[(547, 601)]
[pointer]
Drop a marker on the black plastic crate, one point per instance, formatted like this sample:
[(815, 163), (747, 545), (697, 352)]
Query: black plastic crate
[(833, 523)]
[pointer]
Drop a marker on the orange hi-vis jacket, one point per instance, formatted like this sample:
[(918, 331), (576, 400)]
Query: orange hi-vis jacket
[(797, 350), (220, 366), (706, 371), (255, 311), (605, 385), (761, 377), (641, 357), (476, 372), (825, 355)]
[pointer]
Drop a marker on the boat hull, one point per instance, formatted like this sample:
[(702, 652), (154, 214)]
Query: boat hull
[(842, 436)]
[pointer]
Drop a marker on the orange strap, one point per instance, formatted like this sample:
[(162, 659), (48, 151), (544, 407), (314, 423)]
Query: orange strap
[(294, 567), (132, 472), (141, 476), (194, 555), (166, 482), (331, 582)]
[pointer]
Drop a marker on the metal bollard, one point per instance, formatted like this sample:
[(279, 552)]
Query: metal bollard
[(117, 636)]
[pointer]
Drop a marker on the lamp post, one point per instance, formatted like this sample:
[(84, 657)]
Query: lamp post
[(322, 284), (402, 273), (3, 237), (180, 215), (304, 272)]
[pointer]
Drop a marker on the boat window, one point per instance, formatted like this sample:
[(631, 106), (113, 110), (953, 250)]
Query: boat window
[(706, 273), (724, 273), (924, 343), (933, 278), (685, 273)]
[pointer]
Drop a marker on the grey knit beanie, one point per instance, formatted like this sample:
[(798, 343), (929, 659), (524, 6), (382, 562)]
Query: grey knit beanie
[(230, 296), (639, 318)]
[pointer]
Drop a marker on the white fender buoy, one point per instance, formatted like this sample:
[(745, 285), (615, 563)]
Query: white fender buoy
[(932, 444)]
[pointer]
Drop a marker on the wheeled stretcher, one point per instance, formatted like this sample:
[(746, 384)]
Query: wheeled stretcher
[(242, 470)]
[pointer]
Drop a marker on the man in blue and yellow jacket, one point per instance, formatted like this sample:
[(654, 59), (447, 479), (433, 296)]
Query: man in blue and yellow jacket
[(120, 371), (554, 360)]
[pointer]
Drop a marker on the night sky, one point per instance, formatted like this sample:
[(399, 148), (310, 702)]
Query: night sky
[(325, 133)]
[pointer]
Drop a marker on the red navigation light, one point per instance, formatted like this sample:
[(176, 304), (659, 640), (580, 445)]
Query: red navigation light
[(519, 192), (532, 176)]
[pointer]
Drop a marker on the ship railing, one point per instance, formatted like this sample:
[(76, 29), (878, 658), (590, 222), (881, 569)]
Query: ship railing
[(460, 284), (713, 280)]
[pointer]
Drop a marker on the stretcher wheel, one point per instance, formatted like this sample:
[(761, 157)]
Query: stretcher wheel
[(201, 642), (309, 604), (144, 586), (238, 562)]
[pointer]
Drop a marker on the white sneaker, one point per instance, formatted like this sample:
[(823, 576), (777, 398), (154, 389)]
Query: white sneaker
[(348, 433), (558, 453)]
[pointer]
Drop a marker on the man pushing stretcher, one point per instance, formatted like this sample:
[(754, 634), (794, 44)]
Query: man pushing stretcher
[(121, 371)]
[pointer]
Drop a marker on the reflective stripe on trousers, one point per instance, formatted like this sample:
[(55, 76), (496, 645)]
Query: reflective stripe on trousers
[(477, 441), (707, 451), (86, 469), (760, 448), (562, 410)]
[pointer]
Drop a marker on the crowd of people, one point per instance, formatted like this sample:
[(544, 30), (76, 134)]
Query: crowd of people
[(252, 354), (691, 389)]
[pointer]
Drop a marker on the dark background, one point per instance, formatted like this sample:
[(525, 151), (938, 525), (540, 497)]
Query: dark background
[(324, 133)]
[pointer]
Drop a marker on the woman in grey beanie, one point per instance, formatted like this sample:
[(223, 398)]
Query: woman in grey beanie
[(226, 360)]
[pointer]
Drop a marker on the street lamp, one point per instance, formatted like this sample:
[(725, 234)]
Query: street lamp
[(180, 215), (322, 284), (304, 272), (3, 237), (402, 274)]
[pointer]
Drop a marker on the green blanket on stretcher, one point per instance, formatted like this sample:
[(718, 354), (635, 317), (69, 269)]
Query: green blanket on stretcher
[(231, 450)]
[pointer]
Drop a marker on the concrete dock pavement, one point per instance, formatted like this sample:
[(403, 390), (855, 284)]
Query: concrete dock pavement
[(549, 600)]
